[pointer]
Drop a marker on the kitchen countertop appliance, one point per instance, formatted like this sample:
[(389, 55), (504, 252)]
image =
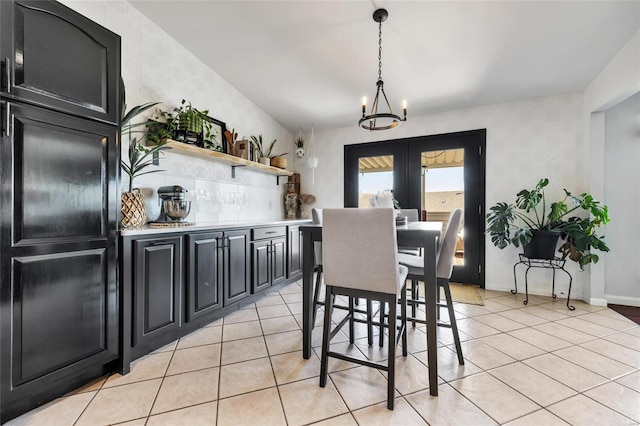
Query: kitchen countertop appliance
[(174, 207)]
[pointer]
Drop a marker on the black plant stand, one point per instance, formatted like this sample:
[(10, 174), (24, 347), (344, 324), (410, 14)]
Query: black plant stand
[(554, 264)]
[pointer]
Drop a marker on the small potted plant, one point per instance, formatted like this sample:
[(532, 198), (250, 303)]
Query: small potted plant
[(190, 124), (133, 210), (299, 143), (263, 154), (536, 225)]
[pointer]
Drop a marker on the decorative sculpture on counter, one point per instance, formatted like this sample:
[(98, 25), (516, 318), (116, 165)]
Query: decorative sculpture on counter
[(291, 201)]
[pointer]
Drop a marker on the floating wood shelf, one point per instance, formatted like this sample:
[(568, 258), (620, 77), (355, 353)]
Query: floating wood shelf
[(230, 160)]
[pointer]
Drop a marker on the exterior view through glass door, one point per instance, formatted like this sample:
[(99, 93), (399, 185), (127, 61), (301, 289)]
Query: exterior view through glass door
[(375, 178), (443, 190)]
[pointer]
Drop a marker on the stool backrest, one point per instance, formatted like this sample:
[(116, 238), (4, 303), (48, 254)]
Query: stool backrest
[(316, 216), (411, 214), (359, 249), (447, 249)]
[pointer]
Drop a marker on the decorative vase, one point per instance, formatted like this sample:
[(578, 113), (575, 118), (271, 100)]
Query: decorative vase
[(264, 160), (300, 152), (279, 162), (133, 212), (542, 245), (291, 201)]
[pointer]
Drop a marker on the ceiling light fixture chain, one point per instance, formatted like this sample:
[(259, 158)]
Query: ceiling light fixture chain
[(388, 120), (380, 51)]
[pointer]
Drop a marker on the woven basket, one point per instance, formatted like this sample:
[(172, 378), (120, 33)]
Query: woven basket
[(279, 162), (133, 211)]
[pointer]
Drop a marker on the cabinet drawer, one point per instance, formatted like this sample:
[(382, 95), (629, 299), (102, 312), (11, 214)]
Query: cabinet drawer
[(270, 232)]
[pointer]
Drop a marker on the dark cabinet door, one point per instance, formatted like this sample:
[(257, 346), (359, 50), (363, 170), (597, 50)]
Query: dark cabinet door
[(55, 57), (63, 171), (261, 263), (204, 275), (294, 252), (156, 293), (236, 266), (278, 260), (58, 212)]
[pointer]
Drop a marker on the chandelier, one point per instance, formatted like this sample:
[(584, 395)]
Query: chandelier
[(380, 120)]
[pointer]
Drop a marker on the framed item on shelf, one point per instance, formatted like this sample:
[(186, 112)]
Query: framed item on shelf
[(243, 149), (213, 135)]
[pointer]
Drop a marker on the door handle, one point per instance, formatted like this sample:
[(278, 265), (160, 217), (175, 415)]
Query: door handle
[(6, 117), (6, 75)]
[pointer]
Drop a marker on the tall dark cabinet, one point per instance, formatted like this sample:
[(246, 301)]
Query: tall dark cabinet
[(59, 162)]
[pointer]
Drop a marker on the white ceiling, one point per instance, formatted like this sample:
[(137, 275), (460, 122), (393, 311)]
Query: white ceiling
[(311, 62)]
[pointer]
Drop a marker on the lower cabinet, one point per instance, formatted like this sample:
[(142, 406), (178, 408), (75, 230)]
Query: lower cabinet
[(157, 289), (268, 257), (204, 274), (294, 252), (176, 282), (236, 266)]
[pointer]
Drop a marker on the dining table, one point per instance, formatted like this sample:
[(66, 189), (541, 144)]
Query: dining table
[(413, 234)]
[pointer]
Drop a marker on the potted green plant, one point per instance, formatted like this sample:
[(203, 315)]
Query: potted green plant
[(133, 210), (192, 125), (263, 153), (299, 143), (535, 224)]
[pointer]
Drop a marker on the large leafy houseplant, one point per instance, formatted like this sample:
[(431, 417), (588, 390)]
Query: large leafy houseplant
[(133, 210), (516, 223), (140, 157)]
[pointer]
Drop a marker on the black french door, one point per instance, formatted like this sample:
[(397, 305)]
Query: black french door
[(412, 162)]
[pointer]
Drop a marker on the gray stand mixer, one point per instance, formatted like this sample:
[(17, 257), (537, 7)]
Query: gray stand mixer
[(174, 207)]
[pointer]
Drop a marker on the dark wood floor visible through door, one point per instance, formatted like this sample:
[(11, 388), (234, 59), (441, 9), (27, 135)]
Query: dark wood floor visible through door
[(630, 312)]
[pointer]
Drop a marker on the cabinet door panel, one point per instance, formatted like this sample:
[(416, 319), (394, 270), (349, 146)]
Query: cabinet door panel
[(63, 308), (59, 58), (64, 177), (294, 252), (157, 288), (279, 260), (260, 259), (204, 292), (237, 267)]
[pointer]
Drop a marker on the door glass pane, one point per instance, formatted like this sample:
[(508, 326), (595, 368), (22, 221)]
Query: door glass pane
[(375, 177), (443, 189)]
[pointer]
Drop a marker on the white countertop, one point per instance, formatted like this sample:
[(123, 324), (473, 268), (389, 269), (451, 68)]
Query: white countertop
[(205, 226)]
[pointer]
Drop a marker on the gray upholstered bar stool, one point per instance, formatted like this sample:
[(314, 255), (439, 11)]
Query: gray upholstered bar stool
[(446, 254), (360, 259), (316, 215)]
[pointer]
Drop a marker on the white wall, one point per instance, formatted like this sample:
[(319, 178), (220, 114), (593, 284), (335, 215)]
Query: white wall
[(526, 140), (156, 68), (622, 158), (619, 80)]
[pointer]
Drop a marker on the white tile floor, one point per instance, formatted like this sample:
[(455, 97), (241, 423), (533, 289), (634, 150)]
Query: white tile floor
[(534, 365)]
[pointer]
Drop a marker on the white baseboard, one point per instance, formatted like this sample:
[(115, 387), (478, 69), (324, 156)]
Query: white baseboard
[(597, 301), (623, 300)]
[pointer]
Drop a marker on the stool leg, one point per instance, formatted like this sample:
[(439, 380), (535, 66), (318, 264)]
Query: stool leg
[(403, 316), (391, 362), (326, 331), (352, 330), (316, 295), (383, 307), (369, 322), (415, 295), (452, 318)]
